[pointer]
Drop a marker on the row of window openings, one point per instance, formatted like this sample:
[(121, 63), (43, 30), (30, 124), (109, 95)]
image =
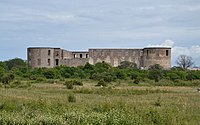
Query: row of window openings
[(167, 53), (49, 53), (49, 62), (81, 56)]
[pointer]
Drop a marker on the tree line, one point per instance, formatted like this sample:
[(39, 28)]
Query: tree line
[(102, 72)]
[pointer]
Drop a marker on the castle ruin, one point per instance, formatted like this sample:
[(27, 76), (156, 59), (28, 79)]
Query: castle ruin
[(51, 57)]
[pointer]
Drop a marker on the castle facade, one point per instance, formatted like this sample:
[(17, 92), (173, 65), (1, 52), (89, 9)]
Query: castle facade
[(51, 57)]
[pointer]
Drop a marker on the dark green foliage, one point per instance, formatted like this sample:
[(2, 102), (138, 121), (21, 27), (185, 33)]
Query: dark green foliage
[(15, 63), (137, 80), (156, 72), (51, 73), (69, 84), (3, 65), (173, 76), (7, 78), (127, 64), (71, 98), (76, 82), (102, 83), (120, 74), (2, 72), (134, 75), (106, 76), (102, 67)]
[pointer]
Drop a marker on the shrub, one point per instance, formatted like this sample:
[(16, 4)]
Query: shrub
[(106, 76), (40, 79), (134, 75), (101, 83), (70, 84), (155, 72), (158, 102), (71, 98), (137, 80), (19, 84), (49, 74), (75, 82), (7, 78)]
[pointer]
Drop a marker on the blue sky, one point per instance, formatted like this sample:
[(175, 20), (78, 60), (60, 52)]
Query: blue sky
[(83, 24)]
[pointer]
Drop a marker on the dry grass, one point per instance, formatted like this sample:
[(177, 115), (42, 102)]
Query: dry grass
[(130, 104)]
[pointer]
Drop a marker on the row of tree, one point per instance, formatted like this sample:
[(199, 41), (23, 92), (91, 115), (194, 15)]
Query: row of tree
[(17, 68)]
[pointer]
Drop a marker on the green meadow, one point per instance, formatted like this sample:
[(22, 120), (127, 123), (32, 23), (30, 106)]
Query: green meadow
[(88, 104)]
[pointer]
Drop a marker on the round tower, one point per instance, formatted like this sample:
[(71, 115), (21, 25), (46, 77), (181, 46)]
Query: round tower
[(43, 56), (157, 55)]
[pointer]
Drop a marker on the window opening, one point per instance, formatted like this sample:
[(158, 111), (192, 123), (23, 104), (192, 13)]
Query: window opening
[(39, 61), (49, 52), (167, 52), (49, 62)]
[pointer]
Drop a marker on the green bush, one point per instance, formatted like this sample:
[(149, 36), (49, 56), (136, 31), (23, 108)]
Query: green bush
[(101, 83), (106, 76), (69, 85), (71, 98), (19, 84), (137, 80), (7, 78)]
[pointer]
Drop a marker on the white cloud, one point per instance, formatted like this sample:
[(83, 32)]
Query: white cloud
[(166, 43)]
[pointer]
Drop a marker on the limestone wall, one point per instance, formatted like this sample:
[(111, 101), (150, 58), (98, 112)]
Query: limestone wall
[(158, 55), (74, 62), (51, 57), (41, 57), (115, 56)]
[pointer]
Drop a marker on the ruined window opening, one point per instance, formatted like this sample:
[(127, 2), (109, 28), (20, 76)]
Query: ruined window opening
[(141, 53), (29, 53), (49, 52), (147, 52), (157, 53), (167, 52), (86, 55), (57, 53), (74, 55), (57, 62), (49, 62), (81, 55), (39, 61)]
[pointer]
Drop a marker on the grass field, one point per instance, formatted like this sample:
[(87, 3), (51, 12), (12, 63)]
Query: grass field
[(50, 104)]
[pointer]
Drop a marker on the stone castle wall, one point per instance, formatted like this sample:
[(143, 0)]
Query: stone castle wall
[(115, 56), (51, 57)]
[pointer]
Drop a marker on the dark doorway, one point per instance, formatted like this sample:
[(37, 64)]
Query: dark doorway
[(57, 62), (167, 52)]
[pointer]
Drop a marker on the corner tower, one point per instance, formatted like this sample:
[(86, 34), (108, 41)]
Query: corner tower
[(43, 57), (157, 55)]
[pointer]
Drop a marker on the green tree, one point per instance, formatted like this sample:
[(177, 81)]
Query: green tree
[(127, 64), (3, 65), (156, 72), (102, 67), (17, 63), (2, 72)]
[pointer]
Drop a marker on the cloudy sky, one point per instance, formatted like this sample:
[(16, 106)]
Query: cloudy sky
[(83, 24)]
